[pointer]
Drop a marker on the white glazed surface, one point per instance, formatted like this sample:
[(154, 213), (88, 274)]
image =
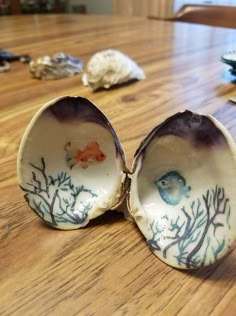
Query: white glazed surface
[(175, 232), (100, 182)]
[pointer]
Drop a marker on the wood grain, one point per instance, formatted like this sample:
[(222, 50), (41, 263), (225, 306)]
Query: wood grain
[(153, 8), (130, 7), (106, 268)]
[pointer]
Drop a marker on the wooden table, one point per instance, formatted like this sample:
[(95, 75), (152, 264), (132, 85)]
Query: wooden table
[(107, 268)]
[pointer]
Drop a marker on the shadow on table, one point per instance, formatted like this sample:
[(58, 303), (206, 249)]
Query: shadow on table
[(109, 218), (118, 86)]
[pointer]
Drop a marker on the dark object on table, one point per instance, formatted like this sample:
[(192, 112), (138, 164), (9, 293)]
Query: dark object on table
[(9, 57), (215, 15)]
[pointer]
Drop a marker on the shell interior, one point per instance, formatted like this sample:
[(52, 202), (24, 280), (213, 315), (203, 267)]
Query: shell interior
[(182, 192), (70, 163)]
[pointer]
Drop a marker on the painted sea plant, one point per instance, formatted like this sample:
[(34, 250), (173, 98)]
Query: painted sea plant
[(188, 237), (55, 198)]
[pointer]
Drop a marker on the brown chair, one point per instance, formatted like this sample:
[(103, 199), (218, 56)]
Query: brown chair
[(223, 16)]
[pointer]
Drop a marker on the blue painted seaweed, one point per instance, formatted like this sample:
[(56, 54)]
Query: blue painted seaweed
[(197, 230), (55, 198)]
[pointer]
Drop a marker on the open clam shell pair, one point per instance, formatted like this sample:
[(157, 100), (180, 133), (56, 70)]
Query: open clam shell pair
[(72, 168)]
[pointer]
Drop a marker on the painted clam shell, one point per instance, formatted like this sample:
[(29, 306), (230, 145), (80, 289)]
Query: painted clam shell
[(71, 168), (182, 193), (70, 163)]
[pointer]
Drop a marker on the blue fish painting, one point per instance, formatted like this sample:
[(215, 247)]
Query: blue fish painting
[(172, 187)]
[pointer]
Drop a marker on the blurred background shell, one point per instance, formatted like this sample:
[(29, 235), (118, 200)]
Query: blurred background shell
[(110, 67), (182, 193)]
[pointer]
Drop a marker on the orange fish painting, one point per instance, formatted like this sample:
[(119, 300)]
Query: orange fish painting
[(90, 155)]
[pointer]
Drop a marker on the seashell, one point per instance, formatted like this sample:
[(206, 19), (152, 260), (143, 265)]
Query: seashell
[(72, 168), (70, 163), (56, 67), (110, 67), (182, 193)]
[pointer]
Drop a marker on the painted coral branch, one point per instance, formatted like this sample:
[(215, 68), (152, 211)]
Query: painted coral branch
[(44, 194), (42, 171), (215, 204), (156, 233)]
